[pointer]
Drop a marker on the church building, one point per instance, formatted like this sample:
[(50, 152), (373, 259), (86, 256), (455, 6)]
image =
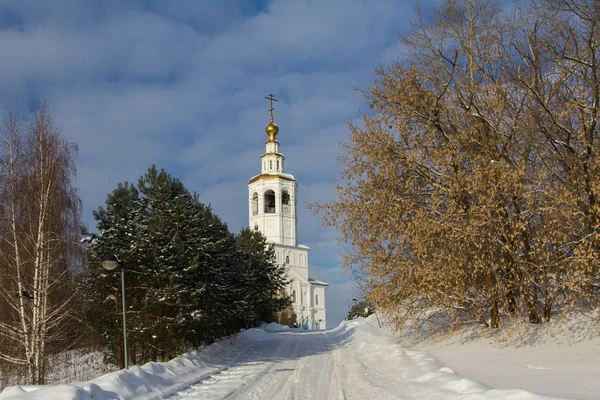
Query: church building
[(272, 209)]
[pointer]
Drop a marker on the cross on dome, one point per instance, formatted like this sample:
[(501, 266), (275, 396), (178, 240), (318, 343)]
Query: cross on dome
[(271, 98), (272, 129)]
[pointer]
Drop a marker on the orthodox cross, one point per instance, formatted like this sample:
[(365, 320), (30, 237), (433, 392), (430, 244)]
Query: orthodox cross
[(271, 98)]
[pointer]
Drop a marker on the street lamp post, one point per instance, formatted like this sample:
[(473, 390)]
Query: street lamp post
[(110, 262)]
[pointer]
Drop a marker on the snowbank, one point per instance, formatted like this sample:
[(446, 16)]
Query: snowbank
[(417, 374), (275, 327), (150, 381), (561, 358)]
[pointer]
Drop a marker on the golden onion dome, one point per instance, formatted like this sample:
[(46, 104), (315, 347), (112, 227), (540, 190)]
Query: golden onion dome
[(272, 129)]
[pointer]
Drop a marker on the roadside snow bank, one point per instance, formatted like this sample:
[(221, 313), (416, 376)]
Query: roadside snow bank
[(150, 381), (559, 358), (275, 327), (414, 374)]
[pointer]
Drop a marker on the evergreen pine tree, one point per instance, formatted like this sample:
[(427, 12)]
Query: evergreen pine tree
[(188, 279), (101, 289), (266, 279)]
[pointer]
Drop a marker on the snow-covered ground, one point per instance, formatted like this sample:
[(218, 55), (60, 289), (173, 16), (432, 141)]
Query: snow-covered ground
[(561, 358), (356, 360)]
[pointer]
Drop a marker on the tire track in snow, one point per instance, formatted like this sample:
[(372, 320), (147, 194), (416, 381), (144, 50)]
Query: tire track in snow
[(282, 387), (285, 366), (245, 375)]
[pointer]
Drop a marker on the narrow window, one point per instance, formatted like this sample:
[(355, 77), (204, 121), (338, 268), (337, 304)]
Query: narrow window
[(287, 260), (317, 300), (293, 296), (277, 165), (254, 203), (270, 164)]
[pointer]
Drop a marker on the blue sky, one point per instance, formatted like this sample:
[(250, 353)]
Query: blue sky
[(181, 84)]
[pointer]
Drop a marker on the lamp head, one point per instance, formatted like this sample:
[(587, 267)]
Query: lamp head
[(110, 262)]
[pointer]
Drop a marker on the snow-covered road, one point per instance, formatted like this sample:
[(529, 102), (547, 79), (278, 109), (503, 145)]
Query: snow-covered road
[(282, 365), (354, 361)]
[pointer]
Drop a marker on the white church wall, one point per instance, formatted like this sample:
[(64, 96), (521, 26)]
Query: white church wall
[(319, 314)]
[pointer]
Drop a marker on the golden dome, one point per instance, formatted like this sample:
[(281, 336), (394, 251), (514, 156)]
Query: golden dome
[(272, 129)]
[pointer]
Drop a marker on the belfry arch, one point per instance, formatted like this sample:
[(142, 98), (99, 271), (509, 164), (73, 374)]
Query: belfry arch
[(269, 197)]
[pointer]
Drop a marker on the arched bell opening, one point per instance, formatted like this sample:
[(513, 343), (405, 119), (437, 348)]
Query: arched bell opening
[(269, 202)]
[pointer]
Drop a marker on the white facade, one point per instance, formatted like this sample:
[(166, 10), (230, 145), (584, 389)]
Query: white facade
[(272, 210)]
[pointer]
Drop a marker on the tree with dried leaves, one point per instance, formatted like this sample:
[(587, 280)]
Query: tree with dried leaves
[(471, 186), (39, 229)]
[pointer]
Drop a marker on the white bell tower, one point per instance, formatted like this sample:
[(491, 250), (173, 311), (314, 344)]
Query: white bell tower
[(272, 199), (272, 210)]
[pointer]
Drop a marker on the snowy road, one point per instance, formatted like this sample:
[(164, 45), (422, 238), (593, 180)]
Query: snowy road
[(356, 360), (277, 366), (353, 362)]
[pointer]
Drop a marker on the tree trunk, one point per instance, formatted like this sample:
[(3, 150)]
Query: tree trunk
[(494, 314), (493, 299), (547, 306), (532, 305), (512, 293)]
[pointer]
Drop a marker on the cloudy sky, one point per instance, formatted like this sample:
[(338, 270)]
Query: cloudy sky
[(181, 84)]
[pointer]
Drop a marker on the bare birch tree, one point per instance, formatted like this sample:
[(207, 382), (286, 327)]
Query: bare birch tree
[(39, 227)]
